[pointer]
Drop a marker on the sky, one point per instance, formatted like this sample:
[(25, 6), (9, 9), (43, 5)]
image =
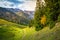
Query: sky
[(21, 4)]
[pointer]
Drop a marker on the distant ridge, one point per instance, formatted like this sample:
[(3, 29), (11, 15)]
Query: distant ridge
[(13, 17)]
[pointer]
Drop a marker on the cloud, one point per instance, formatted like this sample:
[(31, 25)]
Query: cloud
[(9, 3), (6, 4), (16, 1), (28, 5), (21, 4)]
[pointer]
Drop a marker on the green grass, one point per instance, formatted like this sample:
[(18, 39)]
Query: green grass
[(12, 31), (6, 23)]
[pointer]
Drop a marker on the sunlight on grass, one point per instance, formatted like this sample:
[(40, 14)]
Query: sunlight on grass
[(29, 30), (3, 22)]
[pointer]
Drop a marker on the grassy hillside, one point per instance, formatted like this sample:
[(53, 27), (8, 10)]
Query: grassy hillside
[(6, 23), (11, 31)]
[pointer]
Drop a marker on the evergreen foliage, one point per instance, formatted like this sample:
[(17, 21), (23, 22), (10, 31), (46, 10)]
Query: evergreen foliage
[(51, 12), (31, 23), (37, 16)]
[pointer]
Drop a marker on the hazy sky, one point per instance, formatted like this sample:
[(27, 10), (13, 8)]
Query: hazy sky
[(21, 4)]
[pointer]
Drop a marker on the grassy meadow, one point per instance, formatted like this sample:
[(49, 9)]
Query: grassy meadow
[(12, 31)]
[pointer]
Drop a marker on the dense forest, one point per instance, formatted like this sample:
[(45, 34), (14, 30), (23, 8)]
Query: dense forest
[(46, 13)]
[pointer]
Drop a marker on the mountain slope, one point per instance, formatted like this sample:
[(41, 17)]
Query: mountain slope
[(7, 23), (30, 13), (13, 17)]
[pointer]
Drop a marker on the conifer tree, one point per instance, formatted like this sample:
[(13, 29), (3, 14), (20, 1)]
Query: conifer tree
[(52, 7), (51, 11), (37, 16)]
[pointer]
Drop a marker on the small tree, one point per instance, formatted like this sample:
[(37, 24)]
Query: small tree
[(37, 16), (59, 18), (31, 23)]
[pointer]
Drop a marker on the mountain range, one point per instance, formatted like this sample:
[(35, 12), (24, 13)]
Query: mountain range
[(16, 15)]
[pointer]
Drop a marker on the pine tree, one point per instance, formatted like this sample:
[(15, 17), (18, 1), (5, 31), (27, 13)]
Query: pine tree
[(31, 22), (38, 15), (52, 7)]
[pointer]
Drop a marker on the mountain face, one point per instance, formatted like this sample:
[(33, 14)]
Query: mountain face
[(14, 15), (14, 9), (25, 13), (30, 13)]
